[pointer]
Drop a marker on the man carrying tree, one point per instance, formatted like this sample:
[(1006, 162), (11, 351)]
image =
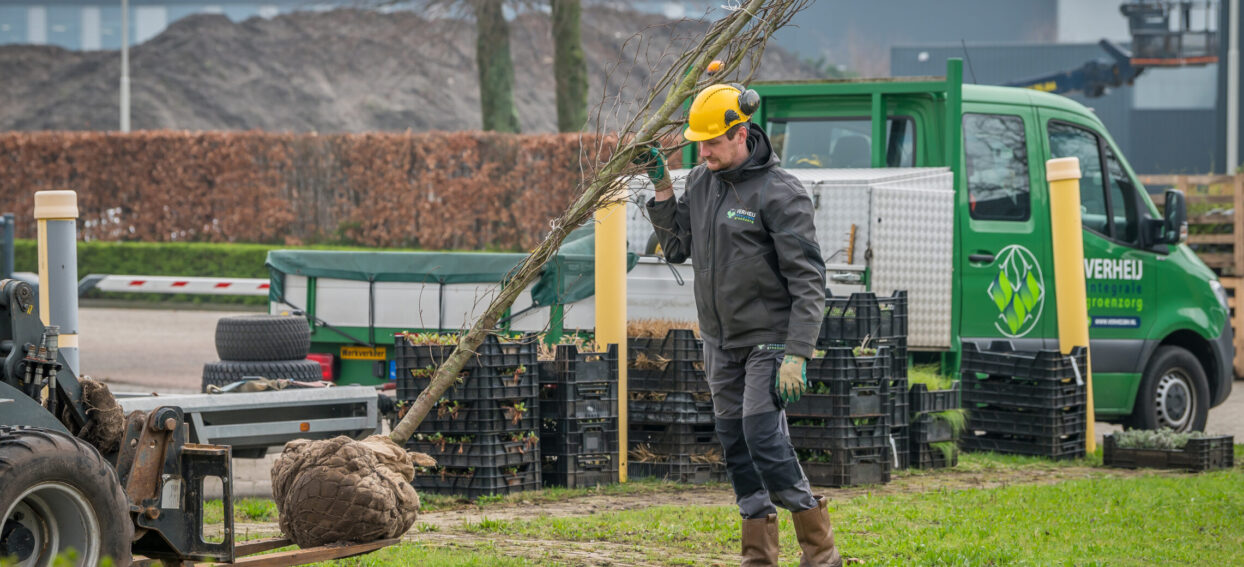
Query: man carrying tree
[(747, 226)]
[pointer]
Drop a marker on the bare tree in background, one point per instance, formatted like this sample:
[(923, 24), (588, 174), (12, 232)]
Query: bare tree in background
[(569, 65), (496, 67)]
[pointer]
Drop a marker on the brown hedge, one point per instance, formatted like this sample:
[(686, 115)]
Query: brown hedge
[(465, 190)]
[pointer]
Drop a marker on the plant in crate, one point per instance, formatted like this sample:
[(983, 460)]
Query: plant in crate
[(515, 412), (447, 408)]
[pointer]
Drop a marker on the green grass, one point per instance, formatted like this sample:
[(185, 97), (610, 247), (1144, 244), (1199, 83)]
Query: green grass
[(244, 510), (929, 375), (1148, 520), (482, 555)]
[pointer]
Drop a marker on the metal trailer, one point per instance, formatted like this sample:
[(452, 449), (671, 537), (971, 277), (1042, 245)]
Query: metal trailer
[(252, 422)]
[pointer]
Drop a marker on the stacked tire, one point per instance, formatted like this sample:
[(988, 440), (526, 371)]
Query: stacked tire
[(268, 346)]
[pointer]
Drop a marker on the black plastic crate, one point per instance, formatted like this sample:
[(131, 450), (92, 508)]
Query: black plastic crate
[(475, 384), (672, 363), (869, 403), (575, 391), (1043, 422), (928, 429), (1067, 447), (840, 433), (900, 407), (863, 315), (669, 403), (1004, 392), (579, 436), (924, 456), (900, 445), (581, 409), (678, 471), (672, 433), (575, 471), (1001, 359), (1200, 454), (924, 400), (850, 467), (479, 481), (482, 416), (674, 410), (569, 365), (840, 364), (487, 450)]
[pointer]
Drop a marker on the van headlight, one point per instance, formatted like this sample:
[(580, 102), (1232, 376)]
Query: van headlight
[(1221, 292)]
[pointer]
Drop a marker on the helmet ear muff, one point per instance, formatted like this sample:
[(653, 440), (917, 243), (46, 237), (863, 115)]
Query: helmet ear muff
[(749, 100)]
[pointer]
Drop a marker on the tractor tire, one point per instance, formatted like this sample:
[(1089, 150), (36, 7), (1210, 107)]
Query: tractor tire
[(230, 371), (1174, 392), (59, 493), (262, 337)]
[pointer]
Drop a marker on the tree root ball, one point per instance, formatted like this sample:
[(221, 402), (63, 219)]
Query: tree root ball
[(340, 490), (106, 420)]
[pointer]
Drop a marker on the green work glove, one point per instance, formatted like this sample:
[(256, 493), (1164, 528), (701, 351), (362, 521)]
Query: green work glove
[(792, 378), (652, 158)]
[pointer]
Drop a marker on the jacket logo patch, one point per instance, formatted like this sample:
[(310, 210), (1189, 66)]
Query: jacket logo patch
[(742, 215)]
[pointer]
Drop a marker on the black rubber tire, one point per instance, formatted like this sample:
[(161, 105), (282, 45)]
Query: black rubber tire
[(229, 371), (48, 461), (262, 337), (1177, 373)]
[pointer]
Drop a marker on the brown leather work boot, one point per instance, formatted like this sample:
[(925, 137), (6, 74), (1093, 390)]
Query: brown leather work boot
[(760, 542), (816, 536)]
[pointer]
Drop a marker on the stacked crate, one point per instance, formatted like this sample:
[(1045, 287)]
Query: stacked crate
[(579, 417), (483, 432), (1025, 402), (861, 318), (928, 428), (840, 427), (670, 411)]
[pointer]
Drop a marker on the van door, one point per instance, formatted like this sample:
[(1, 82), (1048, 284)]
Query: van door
[(1120, 274), (1004, 213)]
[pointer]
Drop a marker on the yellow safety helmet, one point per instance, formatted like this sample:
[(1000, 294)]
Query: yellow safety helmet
[(717, 108)]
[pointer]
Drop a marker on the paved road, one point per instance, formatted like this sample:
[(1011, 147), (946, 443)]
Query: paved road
[(164, 350)]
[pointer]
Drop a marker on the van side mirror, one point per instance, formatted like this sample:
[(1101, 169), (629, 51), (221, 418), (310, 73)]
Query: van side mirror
[(1174, 218)]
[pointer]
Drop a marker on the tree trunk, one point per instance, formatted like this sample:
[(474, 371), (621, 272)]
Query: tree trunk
[(569, 66), (496, 68)]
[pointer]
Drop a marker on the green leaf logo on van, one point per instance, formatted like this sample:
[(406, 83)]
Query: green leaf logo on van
[(1018, 291)]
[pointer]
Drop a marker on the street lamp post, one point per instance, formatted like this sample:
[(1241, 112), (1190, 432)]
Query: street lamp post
[(125, 66)]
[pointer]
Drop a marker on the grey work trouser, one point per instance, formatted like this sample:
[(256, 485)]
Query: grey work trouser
[(752, 429)]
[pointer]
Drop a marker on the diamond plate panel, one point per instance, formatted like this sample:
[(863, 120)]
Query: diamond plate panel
[(913, 249)]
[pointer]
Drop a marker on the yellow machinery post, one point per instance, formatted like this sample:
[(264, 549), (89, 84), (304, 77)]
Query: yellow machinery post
[(611, 303), (1063, 175), (56, 213)]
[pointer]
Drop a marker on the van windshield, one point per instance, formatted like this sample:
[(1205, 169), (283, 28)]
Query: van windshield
[(841, 142)]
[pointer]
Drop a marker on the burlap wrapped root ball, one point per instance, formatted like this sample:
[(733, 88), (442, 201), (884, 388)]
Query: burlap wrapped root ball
[(340, 490)]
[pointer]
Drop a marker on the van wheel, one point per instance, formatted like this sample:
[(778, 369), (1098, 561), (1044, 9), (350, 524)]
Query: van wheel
[(59, 494), (1174, 393)]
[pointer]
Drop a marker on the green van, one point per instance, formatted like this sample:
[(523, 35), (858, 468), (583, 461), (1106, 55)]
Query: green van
[(1161, 338)]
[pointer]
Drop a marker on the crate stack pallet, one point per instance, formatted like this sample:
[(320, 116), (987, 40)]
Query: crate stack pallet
[(866, 320), (670, 411), (840, 427), (579, 417), (934, 442), (1024, 402), (483, 432)]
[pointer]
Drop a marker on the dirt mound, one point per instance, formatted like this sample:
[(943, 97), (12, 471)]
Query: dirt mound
[(338, 71)]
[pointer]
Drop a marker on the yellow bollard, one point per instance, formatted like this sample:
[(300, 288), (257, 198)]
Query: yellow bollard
[(1063, 175), (611, 303)]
